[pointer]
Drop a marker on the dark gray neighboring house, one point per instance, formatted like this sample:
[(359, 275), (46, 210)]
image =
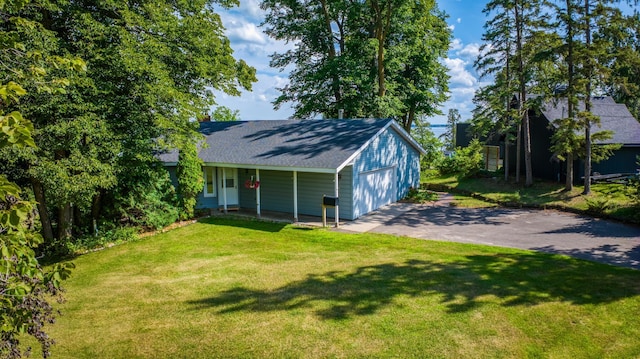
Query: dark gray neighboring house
[(613, 116), (366, 163)]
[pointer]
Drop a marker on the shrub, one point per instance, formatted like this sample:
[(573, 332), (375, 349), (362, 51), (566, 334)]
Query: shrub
[(466, 161), (189, 173), (149, 204), (419, 195)]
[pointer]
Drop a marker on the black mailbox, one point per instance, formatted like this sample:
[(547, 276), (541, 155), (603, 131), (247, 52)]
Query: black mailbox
[(330, 201)]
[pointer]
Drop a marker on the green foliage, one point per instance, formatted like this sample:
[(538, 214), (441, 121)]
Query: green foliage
[(429, 142), (377, 58), (419, 195), (190, 177), (25, 287), (103, 239), (225, 114), (148, 204), (147, 73), (598, 205), (466, 161), (453, 118)]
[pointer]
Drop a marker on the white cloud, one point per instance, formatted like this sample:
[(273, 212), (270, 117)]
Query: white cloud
[(469, 51), (458, 73), (456, 44), (458, 20), (245, 32), (452, 27)]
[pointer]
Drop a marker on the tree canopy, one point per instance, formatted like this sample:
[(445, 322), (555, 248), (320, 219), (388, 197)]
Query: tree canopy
[(375, 58), (151, 66)]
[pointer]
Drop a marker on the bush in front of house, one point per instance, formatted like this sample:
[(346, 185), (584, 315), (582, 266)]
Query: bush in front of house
[(466, 161)]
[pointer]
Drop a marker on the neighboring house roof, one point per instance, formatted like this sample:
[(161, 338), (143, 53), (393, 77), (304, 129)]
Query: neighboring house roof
[(613, 116), (320, 145)]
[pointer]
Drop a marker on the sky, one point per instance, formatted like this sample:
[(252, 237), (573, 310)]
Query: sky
[(251, 44)]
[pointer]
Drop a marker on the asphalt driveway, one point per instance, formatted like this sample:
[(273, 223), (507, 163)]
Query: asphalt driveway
[(542, 230)]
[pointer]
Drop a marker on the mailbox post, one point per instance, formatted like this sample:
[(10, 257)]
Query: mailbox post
[(328, 201)]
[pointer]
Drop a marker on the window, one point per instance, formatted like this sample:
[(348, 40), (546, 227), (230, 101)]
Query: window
[(209, 182)]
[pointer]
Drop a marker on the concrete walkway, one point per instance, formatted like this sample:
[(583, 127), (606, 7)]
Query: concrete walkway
[(547, 231)]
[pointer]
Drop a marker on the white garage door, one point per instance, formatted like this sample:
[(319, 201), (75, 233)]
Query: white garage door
[(377, 188)]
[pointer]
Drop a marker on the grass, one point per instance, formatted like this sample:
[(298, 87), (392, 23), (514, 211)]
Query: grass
[(606, 199), (226, 288)]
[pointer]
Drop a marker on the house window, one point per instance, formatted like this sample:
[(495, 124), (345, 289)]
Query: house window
[(209, 182)]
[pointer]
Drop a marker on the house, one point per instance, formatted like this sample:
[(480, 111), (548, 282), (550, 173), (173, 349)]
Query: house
[(613, 116), (289, 165)]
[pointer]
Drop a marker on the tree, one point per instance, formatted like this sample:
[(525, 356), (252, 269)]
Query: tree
[(429, 142), (225, 114), (494, 102), (25, 287), (588, 65), (512, 34), (453, 118), (374, 58), (189, 173), (148, 73)]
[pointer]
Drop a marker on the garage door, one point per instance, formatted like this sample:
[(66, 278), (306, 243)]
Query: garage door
[(377, 188)]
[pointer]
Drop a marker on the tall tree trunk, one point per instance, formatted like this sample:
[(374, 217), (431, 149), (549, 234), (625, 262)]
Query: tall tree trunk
[(587, 103), (410, 118), (518, 152), (570, 90), (96, 206), (527, 150), (526, 132), (65, 222), (568, 184), (45, 220), (505, 161)]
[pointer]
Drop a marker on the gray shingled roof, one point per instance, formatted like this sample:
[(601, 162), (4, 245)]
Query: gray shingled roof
[(320, 144), (613, 116)]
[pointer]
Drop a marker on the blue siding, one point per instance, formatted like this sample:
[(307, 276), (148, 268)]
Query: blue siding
[(246, 196), (276, 191), (388, 150), (312, 186)]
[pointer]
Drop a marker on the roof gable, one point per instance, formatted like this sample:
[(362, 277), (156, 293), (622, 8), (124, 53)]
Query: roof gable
[(305, 144)]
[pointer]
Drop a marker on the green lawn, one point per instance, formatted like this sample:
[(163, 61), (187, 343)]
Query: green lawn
[(246, 289)]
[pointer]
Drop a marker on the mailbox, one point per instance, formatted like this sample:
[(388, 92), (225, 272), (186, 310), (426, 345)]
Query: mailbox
[(329, 201)]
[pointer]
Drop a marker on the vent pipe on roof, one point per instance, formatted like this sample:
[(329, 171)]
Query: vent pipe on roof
[(341, 114)]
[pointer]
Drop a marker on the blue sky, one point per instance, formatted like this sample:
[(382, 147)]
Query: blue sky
[(251, 44)]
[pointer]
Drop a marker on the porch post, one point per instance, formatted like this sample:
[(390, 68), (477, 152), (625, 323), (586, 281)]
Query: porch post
[(224, 188), (295, 196), (337, 185), (258, 193)]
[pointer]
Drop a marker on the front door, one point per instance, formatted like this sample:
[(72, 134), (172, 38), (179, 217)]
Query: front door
[(228, 183)]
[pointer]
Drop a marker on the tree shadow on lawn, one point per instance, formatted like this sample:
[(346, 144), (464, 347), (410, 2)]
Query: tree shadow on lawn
[(614, 254), (512, 279), (245, 222)]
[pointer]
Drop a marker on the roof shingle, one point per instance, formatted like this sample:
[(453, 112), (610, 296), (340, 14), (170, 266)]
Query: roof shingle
[(323, 144)]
